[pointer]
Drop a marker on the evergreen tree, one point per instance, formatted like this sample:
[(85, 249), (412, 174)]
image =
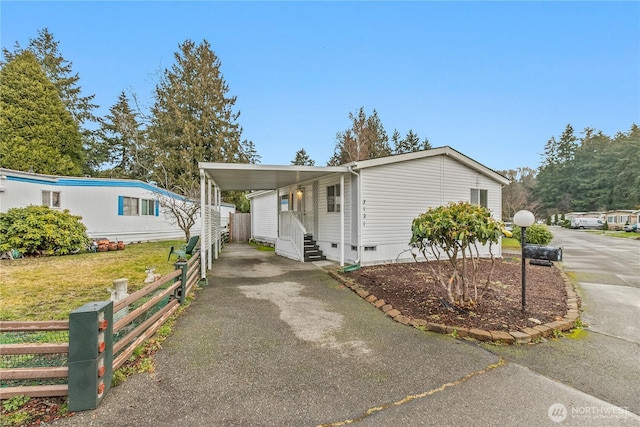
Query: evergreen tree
[(59, 71), (377, 137), (409, 144), (36, 131), (366, 139), (556, 184), (193, 120), (122, 142), (302, 159), (397, 141), (591, 173)]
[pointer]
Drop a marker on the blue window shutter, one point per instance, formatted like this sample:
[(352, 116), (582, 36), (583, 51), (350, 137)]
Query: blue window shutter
[(120, 205), (157, 203)]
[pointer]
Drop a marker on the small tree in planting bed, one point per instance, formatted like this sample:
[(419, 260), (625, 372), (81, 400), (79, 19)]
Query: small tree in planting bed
[(456, 230)]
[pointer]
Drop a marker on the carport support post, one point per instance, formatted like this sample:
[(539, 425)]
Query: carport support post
[(341, 220), (203, 227)]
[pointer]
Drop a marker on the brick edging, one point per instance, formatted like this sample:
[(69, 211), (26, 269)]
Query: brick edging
[(526, 335)]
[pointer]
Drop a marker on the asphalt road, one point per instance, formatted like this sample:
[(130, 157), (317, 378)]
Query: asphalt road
[(607, 270)]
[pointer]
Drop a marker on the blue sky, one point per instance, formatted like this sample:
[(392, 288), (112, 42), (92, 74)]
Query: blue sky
[(494, 80)]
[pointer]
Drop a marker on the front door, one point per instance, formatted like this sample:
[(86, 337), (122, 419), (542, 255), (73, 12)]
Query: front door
[(308, 210)]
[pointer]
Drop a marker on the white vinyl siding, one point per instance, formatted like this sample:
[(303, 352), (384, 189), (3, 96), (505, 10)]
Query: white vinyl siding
[(329, 222), (394, 194), (264, 227)]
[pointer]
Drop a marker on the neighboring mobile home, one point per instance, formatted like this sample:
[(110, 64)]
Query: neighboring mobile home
[(116, 209), (620, 217), (360, 212)]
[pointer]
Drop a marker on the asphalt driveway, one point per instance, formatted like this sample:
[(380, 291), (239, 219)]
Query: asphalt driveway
[(273, 342)]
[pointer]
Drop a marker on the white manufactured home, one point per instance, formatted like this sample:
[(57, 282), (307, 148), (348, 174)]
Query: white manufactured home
[(116, 209), (360, 212)]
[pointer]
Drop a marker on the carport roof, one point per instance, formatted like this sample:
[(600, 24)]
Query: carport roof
[(242, 176)]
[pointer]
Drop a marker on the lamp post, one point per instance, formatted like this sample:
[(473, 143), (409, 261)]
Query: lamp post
[(523, 219)]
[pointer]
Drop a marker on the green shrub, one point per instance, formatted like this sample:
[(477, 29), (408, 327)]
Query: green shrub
[(537, 234), (42, 231)]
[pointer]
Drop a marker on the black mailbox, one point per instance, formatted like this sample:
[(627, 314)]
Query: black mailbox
[(547, 253)]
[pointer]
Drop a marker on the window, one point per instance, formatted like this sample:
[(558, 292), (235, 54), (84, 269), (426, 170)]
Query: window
[(479, 197), (148, 207), (51, 199), (625, 219), (612, 219), (333, 198), (284, 203), (130, 206)]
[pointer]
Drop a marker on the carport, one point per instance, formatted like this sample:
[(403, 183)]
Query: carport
[(218, 177)]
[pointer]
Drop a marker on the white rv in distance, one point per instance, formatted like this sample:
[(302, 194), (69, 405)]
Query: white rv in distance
[(583, 223)]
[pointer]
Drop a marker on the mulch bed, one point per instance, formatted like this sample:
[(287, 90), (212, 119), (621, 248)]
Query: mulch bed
[(411, 289)]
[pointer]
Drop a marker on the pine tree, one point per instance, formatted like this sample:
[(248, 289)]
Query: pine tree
[(192, 118), (122, 142), (36, 131), (60, 72), (426, 145), (366, 139), (302, 159), (397, 141), (411, 142)]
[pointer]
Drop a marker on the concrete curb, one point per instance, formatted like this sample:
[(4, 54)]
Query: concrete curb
[(524, 336)]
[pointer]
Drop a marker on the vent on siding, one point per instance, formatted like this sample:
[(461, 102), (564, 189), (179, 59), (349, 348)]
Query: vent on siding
[(334, 245), (370, 248), (354, 248)]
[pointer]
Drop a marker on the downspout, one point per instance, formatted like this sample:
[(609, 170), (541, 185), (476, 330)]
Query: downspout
[(359, 207)]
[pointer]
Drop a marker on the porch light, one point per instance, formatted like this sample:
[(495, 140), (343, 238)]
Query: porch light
[(299, 193), (523, 219)]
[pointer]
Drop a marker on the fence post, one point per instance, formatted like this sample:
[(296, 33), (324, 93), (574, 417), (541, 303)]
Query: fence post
[(182, 290), (90, 354)]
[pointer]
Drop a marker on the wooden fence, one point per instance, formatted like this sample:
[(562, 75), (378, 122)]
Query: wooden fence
[(141, 314), (239, 227)]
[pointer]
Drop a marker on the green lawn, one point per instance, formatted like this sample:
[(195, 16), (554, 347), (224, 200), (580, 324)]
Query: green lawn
[(510, 243), (49, 288), (621, 234)]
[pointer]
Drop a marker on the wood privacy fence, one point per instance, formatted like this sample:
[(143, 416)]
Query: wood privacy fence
[(239, 227), (39, 352)]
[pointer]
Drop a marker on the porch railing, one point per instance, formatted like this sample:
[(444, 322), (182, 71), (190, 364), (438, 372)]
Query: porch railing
[(292, 229)]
